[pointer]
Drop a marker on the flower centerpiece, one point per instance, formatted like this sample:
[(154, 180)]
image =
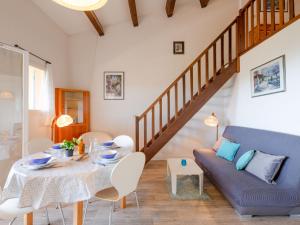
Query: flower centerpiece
[(69, 147)]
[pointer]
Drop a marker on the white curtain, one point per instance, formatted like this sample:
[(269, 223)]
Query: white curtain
[(48, 107)]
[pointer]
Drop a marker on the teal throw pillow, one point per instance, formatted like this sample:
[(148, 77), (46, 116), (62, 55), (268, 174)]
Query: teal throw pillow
[(244, 160), (228, 150)]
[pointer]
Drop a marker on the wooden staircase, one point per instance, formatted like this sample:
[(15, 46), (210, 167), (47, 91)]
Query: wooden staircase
[(208, 73)]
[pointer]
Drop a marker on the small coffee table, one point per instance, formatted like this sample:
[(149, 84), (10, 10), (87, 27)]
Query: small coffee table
[(175, 168)]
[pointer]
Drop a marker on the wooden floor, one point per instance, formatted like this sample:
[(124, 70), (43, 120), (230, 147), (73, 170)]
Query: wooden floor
[(158, 209)]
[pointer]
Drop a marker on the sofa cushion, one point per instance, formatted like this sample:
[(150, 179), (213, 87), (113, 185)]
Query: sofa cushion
[(265, 166), (272, 143), (243, 188), (244, 160), (228, 150)]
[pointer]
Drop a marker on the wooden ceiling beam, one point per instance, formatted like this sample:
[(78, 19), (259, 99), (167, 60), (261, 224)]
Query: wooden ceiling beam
[(170, 5), (204, 3), (95, 21), (133, 12)]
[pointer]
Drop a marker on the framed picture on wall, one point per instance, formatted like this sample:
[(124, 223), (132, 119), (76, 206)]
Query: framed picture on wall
[(113, 85), (268, 78), (178, 47), (276, 5)]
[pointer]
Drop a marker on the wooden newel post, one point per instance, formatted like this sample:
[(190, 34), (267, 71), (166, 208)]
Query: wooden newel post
[(241, 35), (137, 133)]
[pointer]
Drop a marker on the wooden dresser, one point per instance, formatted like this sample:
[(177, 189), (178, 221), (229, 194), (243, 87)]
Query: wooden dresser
[(75, 103)]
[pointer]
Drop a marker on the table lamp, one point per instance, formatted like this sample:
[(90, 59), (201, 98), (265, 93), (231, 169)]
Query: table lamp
[(60, 121), (212, 121)]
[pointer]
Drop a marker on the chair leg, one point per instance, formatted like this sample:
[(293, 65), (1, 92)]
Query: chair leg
[(47, 216), (62, 214), (110, 213), (12, 221), (114, 208), (136, 199), (85, 211)]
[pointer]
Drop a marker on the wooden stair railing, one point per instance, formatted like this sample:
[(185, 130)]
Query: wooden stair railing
[(208, 73), (188, 93), (259, 22)]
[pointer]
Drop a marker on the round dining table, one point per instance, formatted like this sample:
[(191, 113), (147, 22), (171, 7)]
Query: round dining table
[(67, 181)]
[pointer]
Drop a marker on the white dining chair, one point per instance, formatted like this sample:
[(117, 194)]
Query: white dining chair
[(99, 136), (124, 141), (39, 145), (17, 129), (9, 209), (124, 179)]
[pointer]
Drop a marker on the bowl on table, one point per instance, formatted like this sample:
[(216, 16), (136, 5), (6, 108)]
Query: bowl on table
[(40, 159), (108, 144), (57, 147), (109, 154)]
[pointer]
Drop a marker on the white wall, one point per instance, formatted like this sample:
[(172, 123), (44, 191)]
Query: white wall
[(277, 112), (145, 54), (195, 134), (23, 23)]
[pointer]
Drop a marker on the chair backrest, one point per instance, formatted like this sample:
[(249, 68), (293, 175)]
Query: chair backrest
[(126, 174), (39, 145), (124, 141), (99, 136)]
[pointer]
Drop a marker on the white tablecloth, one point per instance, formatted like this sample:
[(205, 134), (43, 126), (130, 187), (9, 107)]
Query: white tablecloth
[(71, 182)]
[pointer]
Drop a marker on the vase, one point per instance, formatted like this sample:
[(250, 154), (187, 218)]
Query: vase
[(69, 153)]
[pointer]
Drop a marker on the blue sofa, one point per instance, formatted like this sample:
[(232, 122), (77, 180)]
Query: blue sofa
[(248, 194)]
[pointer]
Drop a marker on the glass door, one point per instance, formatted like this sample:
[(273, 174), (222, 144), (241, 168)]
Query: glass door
[(13, 107)]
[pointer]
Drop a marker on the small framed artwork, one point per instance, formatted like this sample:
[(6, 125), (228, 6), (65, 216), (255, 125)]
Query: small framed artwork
[(178, 47), (276, 5), (269, 78), (113, 85)]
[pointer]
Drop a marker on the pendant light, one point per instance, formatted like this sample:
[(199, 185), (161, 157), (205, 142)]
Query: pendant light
[(82, 5)]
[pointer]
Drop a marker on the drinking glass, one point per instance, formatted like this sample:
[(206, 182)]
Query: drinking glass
[(92, 148)]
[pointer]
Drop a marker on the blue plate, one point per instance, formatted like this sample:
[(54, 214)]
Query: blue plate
[(39, 161)]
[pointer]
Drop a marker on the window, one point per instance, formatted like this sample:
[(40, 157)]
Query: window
[(37, 80)]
